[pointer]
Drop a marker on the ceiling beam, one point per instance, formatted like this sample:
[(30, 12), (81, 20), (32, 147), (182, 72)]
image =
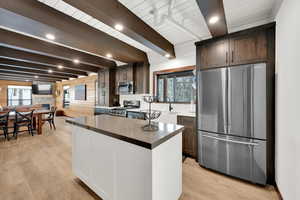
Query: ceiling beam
[(113, 12), (33, 71), (28, 65), (18, 54), (22, 79), (30, 44), (15, 75), (210, 9), (37, 19)]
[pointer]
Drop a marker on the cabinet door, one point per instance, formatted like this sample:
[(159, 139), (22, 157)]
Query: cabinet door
[(117, 80), (189, 139), (102, 165), (248, 48), (129, 72), (124, 77), (81, 160), (102, 88), (141, 79), (214, 54)]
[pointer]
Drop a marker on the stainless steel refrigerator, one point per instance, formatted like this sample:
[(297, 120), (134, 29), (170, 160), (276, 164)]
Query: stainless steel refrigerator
[(232, 133)]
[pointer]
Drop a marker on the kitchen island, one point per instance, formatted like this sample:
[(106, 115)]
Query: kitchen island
[(118, 160)]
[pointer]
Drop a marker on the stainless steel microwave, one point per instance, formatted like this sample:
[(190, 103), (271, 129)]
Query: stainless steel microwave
[(125, 87)]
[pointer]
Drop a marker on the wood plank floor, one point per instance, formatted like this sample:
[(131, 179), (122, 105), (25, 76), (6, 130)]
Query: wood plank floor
[(39, 168)]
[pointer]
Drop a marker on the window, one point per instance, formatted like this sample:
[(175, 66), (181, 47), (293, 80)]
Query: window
[(177, 87), (66, 96), (19, 95)]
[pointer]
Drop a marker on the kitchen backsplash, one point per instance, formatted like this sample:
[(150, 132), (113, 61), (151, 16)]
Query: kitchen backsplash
[(182, 108)]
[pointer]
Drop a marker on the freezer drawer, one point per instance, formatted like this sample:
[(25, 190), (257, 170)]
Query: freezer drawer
[(238, 157)]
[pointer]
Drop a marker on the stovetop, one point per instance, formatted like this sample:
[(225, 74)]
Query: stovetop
[(122, 111)]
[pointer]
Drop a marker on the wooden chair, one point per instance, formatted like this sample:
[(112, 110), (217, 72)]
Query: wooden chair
[(4, 123), (23, 118), (50, 117)]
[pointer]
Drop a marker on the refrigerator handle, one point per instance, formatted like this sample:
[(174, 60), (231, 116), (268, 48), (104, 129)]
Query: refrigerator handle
[(229, 102), (231, 141), (225, 99)]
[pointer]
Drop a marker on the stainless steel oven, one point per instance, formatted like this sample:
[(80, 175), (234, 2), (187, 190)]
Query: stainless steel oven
[(125, 87)]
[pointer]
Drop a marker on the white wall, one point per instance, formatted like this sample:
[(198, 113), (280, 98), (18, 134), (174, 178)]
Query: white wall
[(185, 56), (288, 100)]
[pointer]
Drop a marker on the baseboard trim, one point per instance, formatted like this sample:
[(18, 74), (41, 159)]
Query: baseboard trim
[(278, 191)]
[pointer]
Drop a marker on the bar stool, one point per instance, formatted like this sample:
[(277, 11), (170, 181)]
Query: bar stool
[(23, 119), (4, 123)]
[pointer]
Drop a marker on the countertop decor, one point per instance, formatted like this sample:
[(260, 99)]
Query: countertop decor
[(151, 114)]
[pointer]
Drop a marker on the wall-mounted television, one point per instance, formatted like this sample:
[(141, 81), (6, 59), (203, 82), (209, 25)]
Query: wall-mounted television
[(42, 89)]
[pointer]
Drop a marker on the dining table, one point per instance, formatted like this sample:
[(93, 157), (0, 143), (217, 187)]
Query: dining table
[(37, 119)]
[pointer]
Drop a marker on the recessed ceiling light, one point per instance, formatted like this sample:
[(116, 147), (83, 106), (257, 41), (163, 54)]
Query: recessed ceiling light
[(76, 61), (108, 55), (167, 55), (50, 71), (36, 76), (50, 36), (60, 66), (119, 27), (213, 19)]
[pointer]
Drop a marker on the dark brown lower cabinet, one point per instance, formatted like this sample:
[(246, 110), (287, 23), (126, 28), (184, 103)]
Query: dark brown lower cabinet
[(189, 135)]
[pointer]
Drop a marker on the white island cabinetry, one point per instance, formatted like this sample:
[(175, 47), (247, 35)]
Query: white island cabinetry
[(120, 170)]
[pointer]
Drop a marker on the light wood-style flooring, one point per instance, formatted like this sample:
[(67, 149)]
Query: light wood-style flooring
[(39, 168)]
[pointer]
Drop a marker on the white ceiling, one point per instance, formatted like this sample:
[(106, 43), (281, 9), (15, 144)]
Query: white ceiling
[(184, 12), (246, 13), (186, 22)]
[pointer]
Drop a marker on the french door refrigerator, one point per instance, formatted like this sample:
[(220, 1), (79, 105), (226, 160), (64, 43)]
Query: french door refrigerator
[(232, 134)]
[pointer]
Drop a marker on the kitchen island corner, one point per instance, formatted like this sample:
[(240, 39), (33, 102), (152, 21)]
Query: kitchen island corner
[(118, 160)]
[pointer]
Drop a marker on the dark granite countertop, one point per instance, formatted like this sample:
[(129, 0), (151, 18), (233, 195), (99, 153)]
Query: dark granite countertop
[(129, 130)]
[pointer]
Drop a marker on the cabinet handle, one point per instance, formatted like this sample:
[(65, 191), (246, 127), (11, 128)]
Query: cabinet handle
[(232, 56)]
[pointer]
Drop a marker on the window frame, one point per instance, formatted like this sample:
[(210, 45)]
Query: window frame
[(66, 104), (176, 72), (19, 100)]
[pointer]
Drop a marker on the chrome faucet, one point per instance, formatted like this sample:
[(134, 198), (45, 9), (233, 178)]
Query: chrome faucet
[(170, 104)]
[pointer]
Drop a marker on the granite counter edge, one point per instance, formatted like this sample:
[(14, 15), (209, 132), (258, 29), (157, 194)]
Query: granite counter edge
[(127, 139)]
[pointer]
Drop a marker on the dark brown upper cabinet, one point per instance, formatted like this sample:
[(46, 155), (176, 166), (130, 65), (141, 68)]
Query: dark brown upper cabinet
[(141, 78), (243, 47), (137, 73), (248, 48), (214, 54), (106, 88), (124, 73)]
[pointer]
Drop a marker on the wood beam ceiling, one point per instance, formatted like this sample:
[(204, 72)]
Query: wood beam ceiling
[(34, 71), (113, 12), (23, 79), (27, 76), (37, 19), (24, 56), (30, 44), (45, 68), (214, 14), (44, 75)]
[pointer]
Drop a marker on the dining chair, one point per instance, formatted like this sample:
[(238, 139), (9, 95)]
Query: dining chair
[(50, 117), (4, 123), (23, 118)]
